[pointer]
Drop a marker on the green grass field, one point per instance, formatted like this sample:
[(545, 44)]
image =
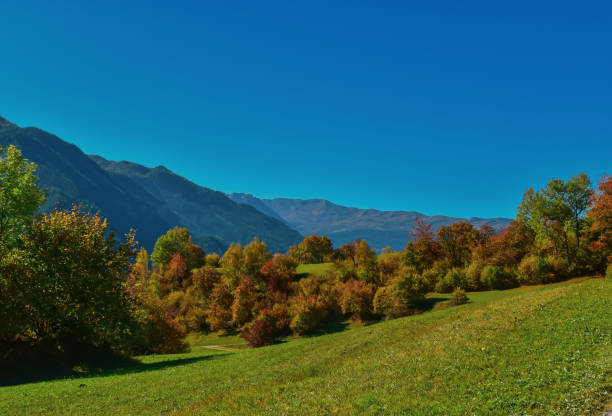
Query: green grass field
[(313, 269), (528, 351)]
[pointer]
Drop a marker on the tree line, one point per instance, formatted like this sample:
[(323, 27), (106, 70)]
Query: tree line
[(70, 291)]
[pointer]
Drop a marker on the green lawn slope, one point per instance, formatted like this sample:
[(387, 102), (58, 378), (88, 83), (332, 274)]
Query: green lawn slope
[(528, 351)]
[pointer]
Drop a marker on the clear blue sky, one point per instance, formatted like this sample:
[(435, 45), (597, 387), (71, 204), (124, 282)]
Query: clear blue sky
[(442, 107)]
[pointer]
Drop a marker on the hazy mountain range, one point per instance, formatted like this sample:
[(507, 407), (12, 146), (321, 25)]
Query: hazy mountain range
[(344, 224), (153, 200)]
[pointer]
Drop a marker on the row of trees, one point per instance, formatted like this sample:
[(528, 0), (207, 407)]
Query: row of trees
[(70, 290)]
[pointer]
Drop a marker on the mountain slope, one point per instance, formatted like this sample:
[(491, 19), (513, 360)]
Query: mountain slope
[(202, 209), (343, 224), (70, 177), (150, 200)]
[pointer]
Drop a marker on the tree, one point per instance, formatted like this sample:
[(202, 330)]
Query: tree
[(67, 287), (279, 272), (245, 296), (402, 296), (256, 254), (600, 214), (422, 250), (556, 214), (366, 262), (233, 265), (219, 312), (174, 276), (20, 197), (355, 299), (456, 242), (204, 280), (177, 240), (313, 249)]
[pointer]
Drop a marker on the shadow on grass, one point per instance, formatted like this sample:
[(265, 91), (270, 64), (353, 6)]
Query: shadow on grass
[(117, 367), (429, 303), (331, 325)]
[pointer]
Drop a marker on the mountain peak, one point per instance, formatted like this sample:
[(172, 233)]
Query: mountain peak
[(5, 123)]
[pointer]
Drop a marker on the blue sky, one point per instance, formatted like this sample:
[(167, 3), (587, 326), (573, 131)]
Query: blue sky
[(441, 107)]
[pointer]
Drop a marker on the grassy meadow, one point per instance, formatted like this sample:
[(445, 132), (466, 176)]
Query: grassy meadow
[(541, 350)]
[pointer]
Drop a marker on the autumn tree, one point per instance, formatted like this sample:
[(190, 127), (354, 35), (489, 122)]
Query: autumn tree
[(422, 250), (256, 254), (177, 240), (245, 296), (279, 272), (219, 311), (205, 279), (313, 249), (233, 265), (174, 275), (366, 262), (600, 214), (456, 242), (402, 296), (355, 298)]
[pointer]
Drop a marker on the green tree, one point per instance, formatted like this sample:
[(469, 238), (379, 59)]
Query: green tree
[(556, 214), (67, 287), (177, 240), (20, 197)]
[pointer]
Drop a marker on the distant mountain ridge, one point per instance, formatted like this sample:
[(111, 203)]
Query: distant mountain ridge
[(344, 224), (151, 200)]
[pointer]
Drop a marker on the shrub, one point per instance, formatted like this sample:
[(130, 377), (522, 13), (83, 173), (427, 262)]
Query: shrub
[(402, 297), (494, 277), (458, 298), (429, 278), (307, 315), (453, 279), (473, 275), (533, 270), (258, 333), (609, 272), (355, 298), (309, 305), (557, 267)]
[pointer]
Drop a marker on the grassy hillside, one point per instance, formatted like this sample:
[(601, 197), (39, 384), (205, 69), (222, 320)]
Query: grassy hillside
[(529, 351)]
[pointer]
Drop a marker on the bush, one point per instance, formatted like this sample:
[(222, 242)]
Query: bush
[(495, 278), (453, 279), (402, 297), (557, 267), (609, 272), (355, 298), (473, 274), (533, 270), (65, 287), (309, 305), (458, 298), (258, 333)]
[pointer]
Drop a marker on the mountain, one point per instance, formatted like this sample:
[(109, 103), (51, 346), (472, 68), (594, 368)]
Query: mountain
[(150, 200), (203, 211), (344, 224)]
